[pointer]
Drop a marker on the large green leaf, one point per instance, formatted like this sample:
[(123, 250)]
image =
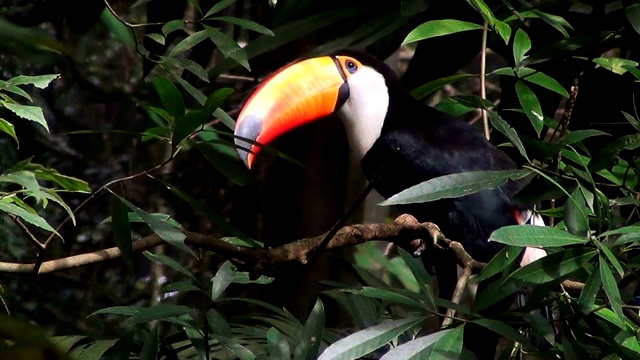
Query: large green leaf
[(170, 97), (427, 89), (455, 185), (31, 113), (443, 344), (311, 337), (245, 23), (542, 79), (165, 260), (220, 282), (189, 42), (219, 6), (122, 232), (521, 45), (435, 28), (611, 289), (530, 105), (554, 266), (157, 312), (39, 81), (228, 46), (533, 235), (391, 296), (278, 346), (511, 134), (161, 228), (8, 205), (149, 349), (367, 340)]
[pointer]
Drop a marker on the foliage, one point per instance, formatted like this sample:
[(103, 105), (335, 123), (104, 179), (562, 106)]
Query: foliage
[(585, 179)]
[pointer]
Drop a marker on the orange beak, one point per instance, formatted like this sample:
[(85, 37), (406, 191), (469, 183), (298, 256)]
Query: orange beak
[(296, 95)]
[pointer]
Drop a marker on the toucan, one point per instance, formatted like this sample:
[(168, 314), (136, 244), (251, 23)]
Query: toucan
[(398, 141)]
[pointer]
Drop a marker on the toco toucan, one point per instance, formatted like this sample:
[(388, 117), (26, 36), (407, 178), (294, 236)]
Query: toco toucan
[(397, 140)]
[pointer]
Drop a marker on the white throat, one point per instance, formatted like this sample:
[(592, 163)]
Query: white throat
[(364, 111)]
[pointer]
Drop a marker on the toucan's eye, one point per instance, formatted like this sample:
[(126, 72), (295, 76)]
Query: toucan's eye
[(351, 66)]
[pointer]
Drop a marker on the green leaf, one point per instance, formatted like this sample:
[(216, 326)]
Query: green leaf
[(455, 185), (278, 345), (503, 329), (504, 30), (220, 282), (180, 286), (228, 46), (27, 180), (93, 350), (196, 118), (15, 90), (590, 291), (422, 277), (611, 289), (7, 128), (311, 337), (367, 340), (435, 28), (156, 37), (157, 312), (499, 262), (118, 310), (172, 26), (150, 347), (391, 296), (197, 340), (575, 212), (47, 174), (427, 89), (40, 81), (165, 231), (122, 232), (611, 258), (579, 135), (245, 23), (189, 65), (189, 42), (615, 65), (530, 105), (8, 206), (31, 113), (443, 344), (225, 118), (221, 5), (542, 79), (554, 266), (521, 45), (511, 134), (170, 96), (632, 120), (218, 324), (228, 164), (165, 260), (609, 316), (192, 90)]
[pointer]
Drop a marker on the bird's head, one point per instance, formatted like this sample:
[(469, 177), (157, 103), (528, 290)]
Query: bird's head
[(352, 84)]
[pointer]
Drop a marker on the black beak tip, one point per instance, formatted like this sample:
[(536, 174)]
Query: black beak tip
[(249, 129)]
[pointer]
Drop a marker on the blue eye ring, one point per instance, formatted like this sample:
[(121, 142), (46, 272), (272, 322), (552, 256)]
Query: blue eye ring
[(351, 66)]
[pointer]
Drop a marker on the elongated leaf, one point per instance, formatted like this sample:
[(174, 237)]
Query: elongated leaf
[(192, 90), (590, 291), (197, 340), (8, 206), (511, 134), (499, 262), (118, 310), (150, 347), (542, 79), (579, 135), (189, 42), (420, 273), (165, 260), (157, 312), (93, 350), (31, 113), (166, 232), (574, 214), (365, 341), (278, 345), (228, 46), (221, 5), (189, 65), (632, 120), (170, 97), (172, 26), (454, 185), (503, 329), (615, 65), (554, 266), (530, 105), (15, 90), (122, 232), (611, 258), (39, 81), (311, 337), (7, 128), (181, 286), (521, 45), (444, 344), (435, 28), (221, 281), (611, 289), (245, 23), (387, 295), (427, 89), (218, 324)]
